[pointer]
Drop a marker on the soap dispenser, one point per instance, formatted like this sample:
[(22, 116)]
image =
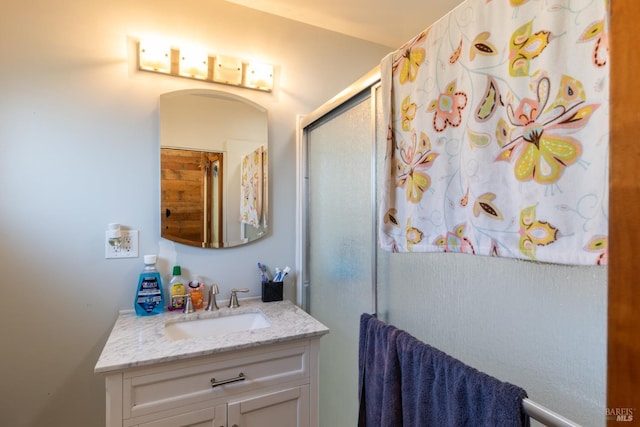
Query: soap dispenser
[(196, 287)]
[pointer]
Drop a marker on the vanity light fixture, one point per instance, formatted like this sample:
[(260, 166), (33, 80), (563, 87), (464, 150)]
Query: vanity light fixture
[(259, 76), (154, 56), (228, 70), (186, 62), (194, 64)]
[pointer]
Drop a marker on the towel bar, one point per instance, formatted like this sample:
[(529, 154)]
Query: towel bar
[(546, 416), (533, 409)]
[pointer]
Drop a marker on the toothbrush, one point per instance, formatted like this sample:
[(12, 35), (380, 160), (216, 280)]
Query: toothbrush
[(262, 269), (280, 276)]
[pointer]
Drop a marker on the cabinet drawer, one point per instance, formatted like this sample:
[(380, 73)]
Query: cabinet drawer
[(150, 390), (213, 416)]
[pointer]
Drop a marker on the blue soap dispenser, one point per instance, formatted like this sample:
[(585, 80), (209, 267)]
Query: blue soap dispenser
[(149, 297)]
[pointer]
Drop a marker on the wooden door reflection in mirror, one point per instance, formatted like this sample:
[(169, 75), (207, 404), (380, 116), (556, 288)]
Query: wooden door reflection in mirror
[(191, 196)]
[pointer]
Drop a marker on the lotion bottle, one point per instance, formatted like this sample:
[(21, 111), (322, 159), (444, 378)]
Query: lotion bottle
[(149, 298)]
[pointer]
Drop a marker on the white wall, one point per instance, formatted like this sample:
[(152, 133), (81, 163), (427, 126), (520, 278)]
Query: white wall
[(79, 149)]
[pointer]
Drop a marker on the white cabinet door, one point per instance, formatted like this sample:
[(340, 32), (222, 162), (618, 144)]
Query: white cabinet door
[(286, 408), (208, 417)]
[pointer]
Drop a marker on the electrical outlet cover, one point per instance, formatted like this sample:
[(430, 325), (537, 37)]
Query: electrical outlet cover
[(128, 247)]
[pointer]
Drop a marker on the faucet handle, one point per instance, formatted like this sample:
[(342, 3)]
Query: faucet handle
[(233, 300), (188, 304), (213, 291)]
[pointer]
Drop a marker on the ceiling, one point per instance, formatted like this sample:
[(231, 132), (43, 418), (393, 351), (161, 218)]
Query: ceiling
[(386, 22)]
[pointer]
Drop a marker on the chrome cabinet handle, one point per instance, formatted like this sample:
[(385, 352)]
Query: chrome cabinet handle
[(215, 383)]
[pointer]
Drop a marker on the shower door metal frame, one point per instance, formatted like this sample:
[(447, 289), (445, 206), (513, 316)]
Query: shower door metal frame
[(363, 88)]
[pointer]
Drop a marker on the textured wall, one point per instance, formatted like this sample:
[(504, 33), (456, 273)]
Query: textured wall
[(542, 327)]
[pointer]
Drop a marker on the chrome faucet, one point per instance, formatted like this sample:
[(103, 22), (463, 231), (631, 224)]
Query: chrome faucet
[(188, 304), (213, 291), (233, 300)]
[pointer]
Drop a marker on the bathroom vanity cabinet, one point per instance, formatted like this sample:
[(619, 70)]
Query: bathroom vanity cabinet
[(261, 377), (273, 385)]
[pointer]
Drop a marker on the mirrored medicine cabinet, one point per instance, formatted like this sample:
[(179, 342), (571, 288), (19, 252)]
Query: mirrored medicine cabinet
[(213, 168)]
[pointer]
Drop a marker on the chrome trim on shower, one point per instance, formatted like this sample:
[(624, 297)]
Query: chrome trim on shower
[(360, 85), (365, 87)]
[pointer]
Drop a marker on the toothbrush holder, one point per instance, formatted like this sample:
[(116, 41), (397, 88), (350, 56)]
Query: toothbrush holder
[(271, 291)]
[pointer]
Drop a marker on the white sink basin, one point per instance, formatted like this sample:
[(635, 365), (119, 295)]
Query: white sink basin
[(216, 325)]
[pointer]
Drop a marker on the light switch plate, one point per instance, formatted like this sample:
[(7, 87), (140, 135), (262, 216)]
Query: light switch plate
[(128, 247)]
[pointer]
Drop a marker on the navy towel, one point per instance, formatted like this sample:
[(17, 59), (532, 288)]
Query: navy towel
[(378, 375), (404, 382)]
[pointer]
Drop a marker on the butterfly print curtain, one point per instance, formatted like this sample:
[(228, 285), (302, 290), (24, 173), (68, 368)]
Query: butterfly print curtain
[(497, 124)]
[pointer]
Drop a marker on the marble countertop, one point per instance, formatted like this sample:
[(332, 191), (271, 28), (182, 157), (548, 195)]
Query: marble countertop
[(139, 341)]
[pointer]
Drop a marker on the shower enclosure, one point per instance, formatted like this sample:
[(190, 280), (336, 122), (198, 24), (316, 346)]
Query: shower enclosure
[(539, 326), (339, 218)]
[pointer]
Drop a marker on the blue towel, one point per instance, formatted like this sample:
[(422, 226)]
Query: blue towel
[(404, 382), (378, 374)]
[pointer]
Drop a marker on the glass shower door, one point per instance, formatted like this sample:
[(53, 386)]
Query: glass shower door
[(340, 248)]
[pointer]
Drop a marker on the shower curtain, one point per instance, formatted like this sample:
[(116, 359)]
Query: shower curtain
[(498, 125)]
